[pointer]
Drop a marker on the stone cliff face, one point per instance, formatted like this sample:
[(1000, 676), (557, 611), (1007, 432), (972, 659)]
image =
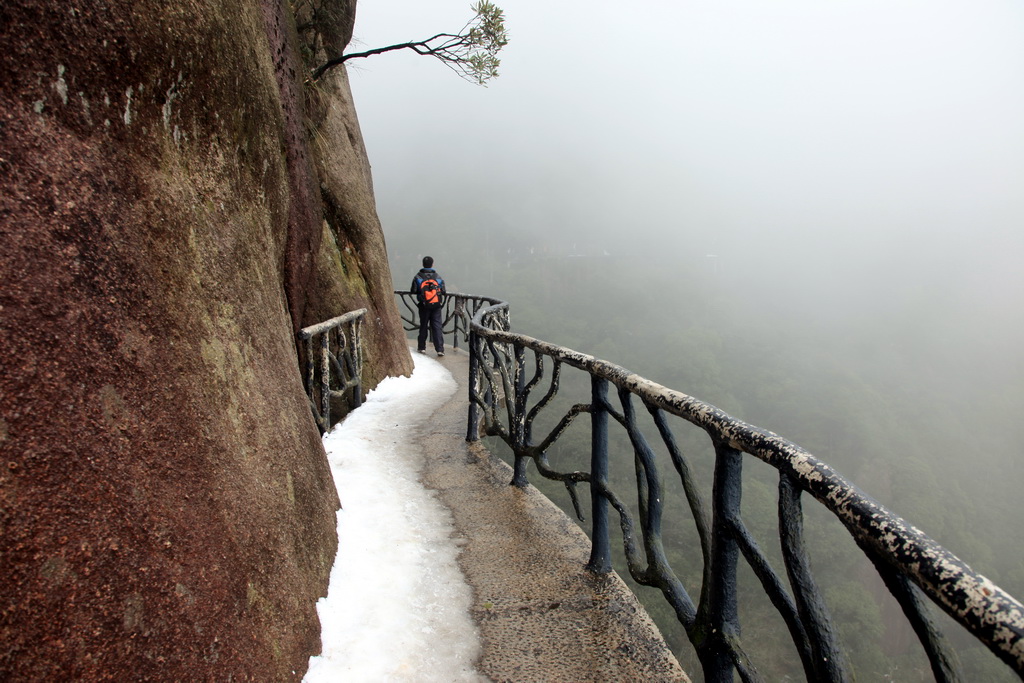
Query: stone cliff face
[(175, 203)]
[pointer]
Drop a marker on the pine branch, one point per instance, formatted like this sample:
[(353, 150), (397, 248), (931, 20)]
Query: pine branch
[(471, 53)]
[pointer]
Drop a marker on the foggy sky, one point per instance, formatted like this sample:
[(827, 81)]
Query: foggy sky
[(856, 169), (831, 154)]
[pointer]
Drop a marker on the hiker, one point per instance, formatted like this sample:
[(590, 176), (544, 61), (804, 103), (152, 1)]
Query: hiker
[(428, 287)]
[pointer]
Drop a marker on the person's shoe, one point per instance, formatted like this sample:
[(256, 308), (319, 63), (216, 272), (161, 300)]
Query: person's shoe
[(422, 350), (440, 354)]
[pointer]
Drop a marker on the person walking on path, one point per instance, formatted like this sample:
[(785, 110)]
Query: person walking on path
[(428, 287)]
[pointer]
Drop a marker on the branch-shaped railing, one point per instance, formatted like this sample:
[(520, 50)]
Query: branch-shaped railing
[(459, 309), (505, 401), (334, 363)]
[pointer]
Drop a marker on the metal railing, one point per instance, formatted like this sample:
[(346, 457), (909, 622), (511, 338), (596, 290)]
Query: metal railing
[(505, 400), (459, 309), (338, 374)]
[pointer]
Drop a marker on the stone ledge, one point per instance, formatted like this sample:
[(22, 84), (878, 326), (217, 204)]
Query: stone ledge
[(541, 615)]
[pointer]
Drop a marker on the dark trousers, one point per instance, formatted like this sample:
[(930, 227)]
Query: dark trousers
[(431, 320)]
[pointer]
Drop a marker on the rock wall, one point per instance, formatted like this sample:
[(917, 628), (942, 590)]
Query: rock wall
[(166, 225)]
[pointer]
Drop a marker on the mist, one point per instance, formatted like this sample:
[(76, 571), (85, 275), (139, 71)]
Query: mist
[(855, 151), (833, 189)]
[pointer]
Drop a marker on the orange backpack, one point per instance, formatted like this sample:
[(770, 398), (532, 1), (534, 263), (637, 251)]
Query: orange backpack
[(430, 293)]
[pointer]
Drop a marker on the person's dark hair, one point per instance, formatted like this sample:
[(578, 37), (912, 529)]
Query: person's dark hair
[(428, 261)]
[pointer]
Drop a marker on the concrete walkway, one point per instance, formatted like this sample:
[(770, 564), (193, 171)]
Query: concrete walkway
[(541, 615)]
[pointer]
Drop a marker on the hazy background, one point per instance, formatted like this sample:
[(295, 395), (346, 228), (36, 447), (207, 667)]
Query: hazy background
[(835, 159), (817, 208)]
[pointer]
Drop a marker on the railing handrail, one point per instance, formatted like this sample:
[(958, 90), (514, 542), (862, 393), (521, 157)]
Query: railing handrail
[(993, 616), (344, 357), (320, 328)]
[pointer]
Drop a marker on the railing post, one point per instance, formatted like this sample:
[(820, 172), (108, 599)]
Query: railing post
[(723, 622), (827, 659), (310, 372), (600, 550), (943, 658), (518, 422), (473, 427), (456, 319), (325, 379), (357, 356)]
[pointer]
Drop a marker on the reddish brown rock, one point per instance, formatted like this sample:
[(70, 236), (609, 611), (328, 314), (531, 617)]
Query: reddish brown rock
[(166, 510)]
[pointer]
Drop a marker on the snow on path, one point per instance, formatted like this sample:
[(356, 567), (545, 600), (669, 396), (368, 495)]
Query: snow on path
[(397, 608)]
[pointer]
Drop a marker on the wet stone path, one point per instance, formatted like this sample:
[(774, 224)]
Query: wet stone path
[(541, 615)]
